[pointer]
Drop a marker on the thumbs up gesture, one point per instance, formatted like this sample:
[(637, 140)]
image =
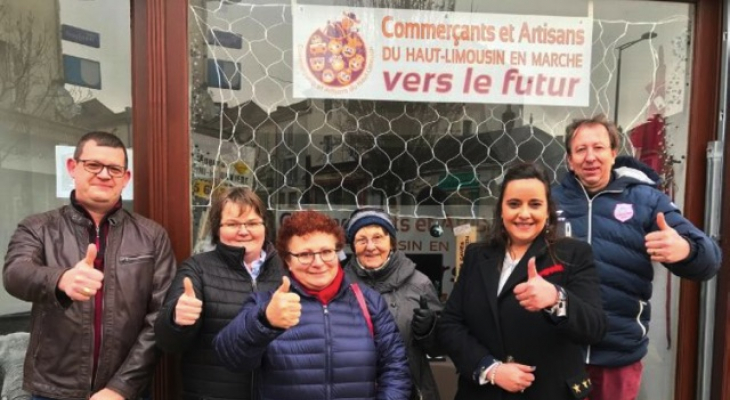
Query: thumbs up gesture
[(423, 318), (188, 307), (537, 293), (285, 308), (81, 282), (666, 245)]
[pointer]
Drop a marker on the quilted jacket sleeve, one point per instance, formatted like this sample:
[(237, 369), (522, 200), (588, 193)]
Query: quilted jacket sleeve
[(704, 260), (170, 337), (242, 343)]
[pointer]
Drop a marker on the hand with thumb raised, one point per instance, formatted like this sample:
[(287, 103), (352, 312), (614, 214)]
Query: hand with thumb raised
[(536, 293), (83, 281), (285, 285), (423, 318), (285, 308), (188, 307), (666, 245), (532, 270), (661, 222), (91, 252)]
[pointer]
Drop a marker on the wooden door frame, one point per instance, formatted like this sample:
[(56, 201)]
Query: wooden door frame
[(721, 355), (161, 135), (703, 111), (161, 141)]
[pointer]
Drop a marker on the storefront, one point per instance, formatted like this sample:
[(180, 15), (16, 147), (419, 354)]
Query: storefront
[(214, 93)]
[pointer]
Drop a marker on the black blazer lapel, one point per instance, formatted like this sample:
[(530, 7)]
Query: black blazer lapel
[(537, 248), (490, 263)]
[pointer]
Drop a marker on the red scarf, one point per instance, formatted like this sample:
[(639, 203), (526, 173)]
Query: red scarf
[(325, 295)]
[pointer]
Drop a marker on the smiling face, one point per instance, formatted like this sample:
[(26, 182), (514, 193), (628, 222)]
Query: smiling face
[(372, 246), (328, 76), (232, 232), (318, 274), (337, 63), (591, 157), (524, 210), (356, 63), (344, 76), (348, 51), (334, 46), (98, 192), (317, 46), (316, 63)]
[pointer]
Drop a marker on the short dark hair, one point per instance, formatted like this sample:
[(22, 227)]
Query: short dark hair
[(242, 196), (498, 235), (302, 223), (600, 119), (103, 139)]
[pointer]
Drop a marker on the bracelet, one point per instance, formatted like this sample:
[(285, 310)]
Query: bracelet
[(493, 372), (557, 297)]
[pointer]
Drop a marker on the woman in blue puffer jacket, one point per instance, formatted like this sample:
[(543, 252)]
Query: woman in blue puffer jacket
[(317, 336)]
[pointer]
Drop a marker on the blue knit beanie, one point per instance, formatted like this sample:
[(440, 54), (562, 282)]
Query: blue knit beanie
[(366, 217)]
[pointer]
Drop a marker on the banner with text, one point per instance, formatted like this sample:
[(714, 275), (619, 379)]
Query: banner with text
[(414, 55)]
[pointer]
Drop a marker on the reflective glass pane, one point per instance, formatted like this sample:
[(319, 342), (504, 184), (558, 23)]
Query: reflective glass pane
[(64, 71), (435, 166)]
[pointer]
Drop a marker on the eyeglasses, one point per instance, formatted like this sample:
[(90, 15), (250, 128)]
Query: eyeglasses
[(307, 257), (95, 167), (377, 240), (250, 225)]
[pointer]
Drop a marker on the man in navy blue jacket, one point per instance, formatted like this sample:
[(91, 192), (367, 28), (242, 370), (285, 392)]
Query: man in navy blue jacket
[(613, 203)]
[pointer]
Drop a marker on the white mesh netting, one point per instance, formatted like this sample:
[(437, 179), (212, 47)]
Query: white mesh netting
[(438, 160), (428, 163)]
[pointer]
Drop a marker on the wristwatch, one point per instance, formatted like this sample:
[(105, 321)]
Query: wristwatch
[(560, 309)]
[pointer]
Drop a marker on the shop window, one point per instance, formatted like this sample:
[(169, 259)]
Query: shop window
[(7, 71), (46, 106), (428, 159)]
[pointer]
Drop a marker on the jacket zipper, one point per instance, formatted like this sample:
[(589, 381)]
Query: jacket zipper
[(135, 258), (253, 384), (638, 318), (254, 287), (589, 232), (589, 235), (92, 378), (328, 366)]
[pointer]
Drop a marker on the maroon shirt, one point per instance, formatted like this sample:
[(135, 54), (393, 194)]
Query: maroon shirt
[(97, 236)]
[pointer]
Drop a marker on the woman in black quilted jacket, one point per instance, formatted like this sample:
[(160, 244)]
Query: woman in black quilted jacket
[(210, 289)]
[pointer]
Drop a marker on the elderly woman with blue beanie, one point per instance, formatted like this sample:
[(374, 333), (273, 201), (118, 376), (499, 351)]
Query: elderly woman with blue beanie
[(409, 293)]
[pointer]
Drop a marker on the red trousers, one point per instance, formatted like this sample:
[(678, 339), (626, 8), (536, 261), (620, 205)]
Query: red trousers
[(615, 383)]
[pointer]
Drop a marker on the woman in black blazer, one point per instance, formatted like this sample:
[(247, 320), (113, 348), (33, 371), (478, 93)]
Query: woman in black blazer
[(526, 304)]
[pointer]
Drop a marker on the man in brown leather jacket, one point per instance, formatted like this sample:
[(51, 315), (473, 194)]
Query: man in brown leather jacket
[(97, 275)]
